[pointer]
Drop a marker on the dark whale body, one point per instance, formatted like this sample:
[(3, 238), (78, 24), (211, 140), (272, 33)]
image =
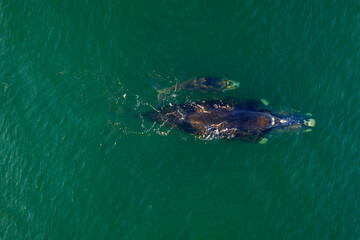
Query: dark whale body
[(202, 84), (230, 119)]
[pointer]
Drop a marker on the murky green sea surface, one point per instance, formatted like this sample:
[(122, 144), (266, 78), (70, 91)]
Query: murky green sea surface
[(77, 161)]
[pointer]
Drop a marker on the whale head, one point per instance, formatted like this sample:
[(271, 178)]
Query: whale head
[(293, 123)]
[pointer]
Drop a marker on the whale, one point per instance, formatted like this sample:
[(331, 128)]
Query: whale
[(202, 84), (247, 120)]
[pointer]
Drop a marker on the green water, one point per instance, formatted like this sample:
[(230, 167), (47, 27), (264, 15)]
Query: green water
[(78, 162)]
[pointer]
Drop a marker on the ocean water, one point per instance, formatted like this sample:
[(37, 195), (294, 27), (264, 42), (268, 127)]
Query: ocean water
[(78, 161)]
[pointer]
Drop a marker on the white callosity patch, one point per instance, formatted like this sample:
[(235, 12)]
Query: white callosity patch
[(310, 123)]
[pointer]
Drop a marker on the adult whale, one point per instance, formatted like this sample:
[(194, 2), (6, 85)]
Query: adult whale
[(248, 120)]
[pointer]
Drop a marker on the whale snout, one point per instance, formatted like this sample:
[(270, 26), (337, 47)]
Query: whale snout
[(295, 123), (310, 122)]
